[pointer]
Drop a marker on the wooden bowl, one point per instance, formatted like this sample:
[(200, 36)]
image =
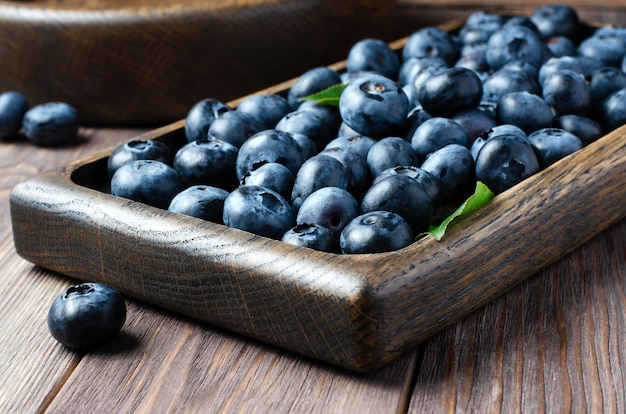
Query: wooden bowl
[(355, 311), (147, 61)]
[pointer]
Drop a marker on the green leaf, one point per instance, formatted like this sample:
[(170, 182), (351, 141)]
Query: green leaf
[(329, 96), (482, 195)]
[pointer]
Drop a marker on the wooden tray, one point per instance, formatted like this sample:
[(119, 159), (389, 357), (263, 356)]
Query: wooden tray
[(356, 311)]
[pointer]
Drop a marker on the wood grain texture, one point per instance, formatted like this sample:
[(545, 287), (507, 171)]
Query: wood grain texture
[(147, 62)]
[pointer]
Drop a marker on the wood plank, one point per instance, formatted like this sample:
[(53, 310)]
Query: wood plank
[(556, 343), (165, 363), (33, 366)]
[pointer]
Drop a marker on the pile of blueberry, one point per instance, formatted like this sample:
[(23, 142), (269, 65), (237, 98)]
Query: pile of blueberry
[(412, 132), (46, 124)]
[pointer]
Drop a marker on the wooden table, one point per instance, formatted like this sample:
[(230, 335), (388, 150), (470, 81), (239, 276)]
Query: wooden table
[(555, 343)]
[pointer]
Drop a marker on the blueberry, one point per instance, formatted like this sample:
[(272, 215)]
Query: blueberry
[(356, 167), (505, 160), (147, 181), (481, 21), (431, 42), (267, 107), (412, 66), (317, 172), (373, 105), (86, 315), (555, 64), (258, 210), (307, 146), (586, 129), (560, 46), (453, 166), (403, 195), (502, 129), (138, 149), (507, 80), (271, 175), (312, 236), (312, 81), (329, 114), (234, 127), (567, 92), (552, 144), (201, 201), (528, 111), (474, 122), (390, 152), (269, 145), (373, 55), (207, 161), (375, 232), (426, 180), (604, 81), (357, 143), (556, 20), (201, 116), (330, 207), (515, 43), (307, 123), (13, 106), (475, 58), (613, 110), (435, 133), (51, 124), (606, 48), (450, 91)]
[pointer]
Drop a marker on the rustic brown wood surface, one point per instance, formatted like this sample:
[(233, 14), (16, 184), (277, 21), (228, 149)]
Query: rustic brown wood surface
[(554, 343)]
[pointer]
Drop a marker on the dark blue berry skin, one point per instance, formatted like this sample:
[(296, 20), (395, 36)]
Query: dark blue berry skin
[(375, 232), (271, 175), (390, 152), (429, 183), (450, 91), (312, 236), (507, 80), (234, 127), (258, 210), (515, 43), (308, 123), (474, 122), (373, 55), (528, 111), (317, 172), (356, 167), (504, 161), (307, 145), (474, 58), (560, 46), (268, 107), (552, 144), (147, 181), (270, 145), (556, 20), (51, 124), (412, 66), (207, 161), (435, 133), (613, 111), (586, 129), (330, 207), (607, 48), (201, 116), (502, 129), (453, 166), (357, 143), (424, 74), (13, 106), (86, 316), (567, 92), (555, 64), (481, 21), (313, 80), (328, 113), (604, 81), (403, 195), (138, 149), (201, 201), (431, 42), (373, 105)]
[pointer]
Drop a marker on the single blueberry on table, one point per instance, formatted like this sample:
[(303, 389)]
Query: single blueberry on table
[(375, 232), (373, 105), (51, 124), (312, 236), (147, 181), (207, 161), (86, 315), (373, 55), (258, 210), (138, 149), (330, 207), (552, 144), (201, 201), (201, 116), (13, 106)]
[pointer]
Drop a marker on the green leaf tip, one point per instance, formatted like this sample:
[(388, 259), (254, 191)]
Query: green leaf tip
[(329, 96), (482, 195)]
